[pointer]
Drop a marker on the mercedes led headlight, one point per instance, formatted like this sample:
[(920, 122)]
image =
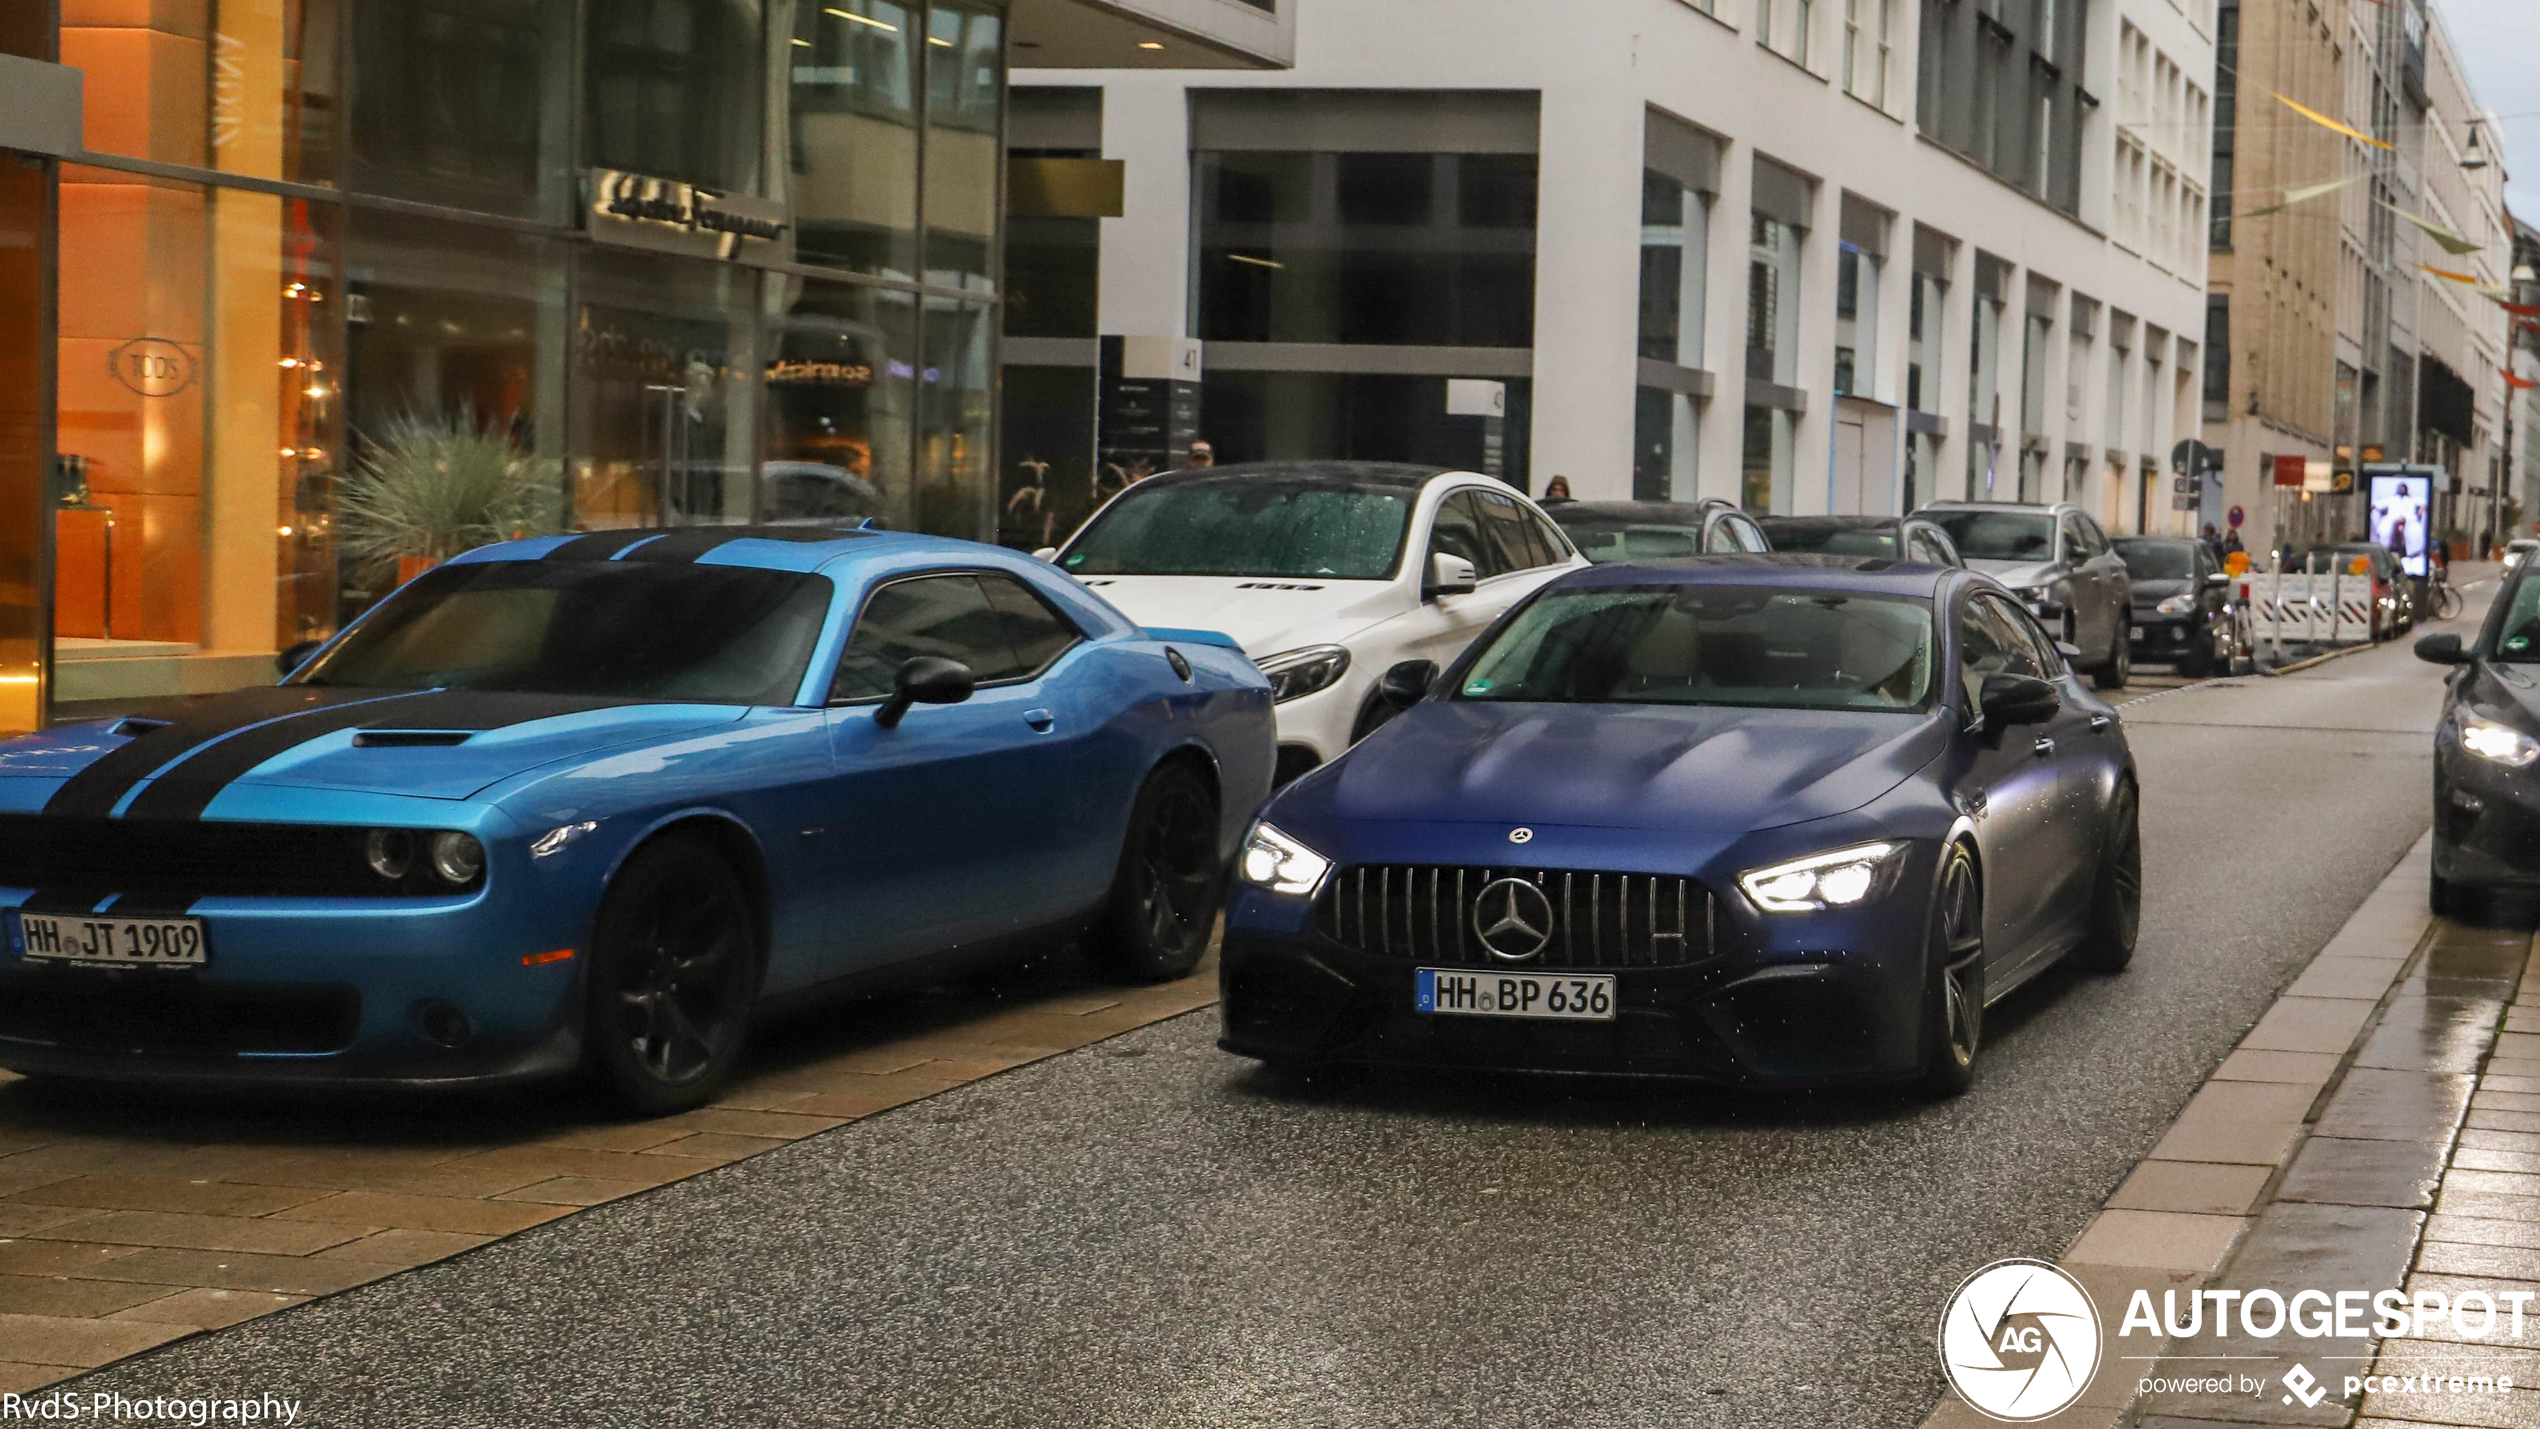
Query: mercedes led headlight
[(1841, 878), (1297, 673), (2176, 605), (2501, 743), (1279, 863)]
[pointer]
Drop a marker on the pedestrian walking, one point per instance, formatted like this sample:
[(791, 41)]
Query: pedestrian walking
[(2231, 544), (1557, 489), (1201, 457)]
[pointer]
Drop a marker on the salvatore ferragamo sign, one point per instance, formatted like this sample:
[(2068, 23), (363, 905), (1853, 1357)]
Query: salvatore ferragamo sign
[(667, 216)]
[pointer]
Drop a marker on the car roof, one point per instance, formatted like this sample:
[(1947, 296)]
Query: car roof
[(1689, 513), (2156, 540), (1839, 523), (1404, 475), (779, 548), (1875, 574), (2033, 508)]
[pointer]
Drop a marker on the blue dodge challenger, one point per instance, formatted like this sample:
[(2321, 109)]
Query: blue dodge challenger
[(591, 802), (1771, 820)]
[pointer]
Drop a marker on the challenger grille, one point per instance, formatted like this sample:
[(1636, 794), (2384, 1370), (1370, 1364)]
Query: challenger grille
[(150, 860), (1599, 920)]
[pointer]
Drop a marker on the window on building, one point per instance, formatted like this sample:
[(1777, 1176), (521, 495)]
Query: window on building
[(1856, 321), (2217, 356), (673, 90), (1772, 300), (271, 113), (1922, 343), (1769, 448), (851, 135), (965, 94), (2035, 336), (1666, 439), (1675, 221), (463, 104), (1868, 42), (1984, 362), (2000, 84)]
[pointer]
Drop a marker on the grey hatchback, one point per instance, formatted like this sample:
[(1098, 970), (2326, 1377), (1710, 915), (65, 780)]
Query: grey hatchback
[(2059, 563)]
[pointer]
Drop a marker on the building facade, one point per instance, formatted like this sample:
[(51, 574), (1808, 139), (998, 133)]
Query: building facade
[(2351, 321), (1805, 256), (311, 271)]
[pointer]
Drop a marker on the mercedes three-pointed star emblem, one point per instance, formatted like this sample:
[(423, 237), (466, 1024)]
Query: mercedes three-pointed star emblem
[(1513, 919)]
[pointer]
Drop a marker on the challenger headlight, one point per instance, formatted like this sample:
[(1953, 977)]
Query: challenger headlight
[(457, 857), (1279, 863), (1841, 878), (2502, 743), (1297, 673), (2176, 605), (390, 853)]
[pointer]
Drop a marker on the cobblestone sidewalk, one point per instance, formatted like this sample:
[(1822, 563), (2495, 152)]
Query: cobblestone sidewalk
[(129, 1218)]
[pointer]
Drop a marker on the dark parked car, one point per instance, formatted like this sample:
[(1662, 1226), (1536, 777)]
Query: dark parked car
[(2487, 753), (1779, 820), (2185, 610), (2059, 563), (2394, 602), (1898, 538), (1656, 530)]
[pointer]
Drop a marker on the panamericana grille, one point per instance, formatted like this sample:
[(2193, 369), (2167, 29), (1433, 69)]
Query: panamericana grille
[(176, 860), (1598, 919)]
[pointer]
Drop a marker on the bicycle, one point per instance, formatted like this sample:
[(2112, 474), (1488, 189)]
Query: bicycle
[(2447, 602)]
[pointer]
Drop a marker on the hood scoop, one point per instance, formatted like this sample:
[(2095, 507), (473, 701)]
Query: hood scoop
[(135, 726), (410, 738)]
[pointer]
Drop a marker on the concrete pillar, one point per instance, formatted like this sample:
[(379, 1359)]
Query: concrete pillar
[(1724, 328), (1146, 252), (1587, 290)]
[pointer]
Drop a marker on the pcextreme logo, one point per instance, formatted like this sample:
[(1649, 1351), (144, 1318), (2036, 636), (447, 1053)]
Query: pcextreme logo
[(2019, 1340)]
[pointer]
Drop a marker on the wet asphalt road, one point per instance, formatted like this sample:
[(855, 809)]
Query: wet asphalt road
[(1150, 1233)]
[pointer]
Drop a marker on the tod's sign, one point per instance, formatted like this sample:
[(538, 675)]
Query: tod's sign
[(671, 217)]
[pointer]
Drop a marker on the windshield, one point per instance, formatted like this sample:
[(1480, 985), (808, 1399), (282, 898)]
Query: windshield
[(1825, 538), (704, 634), (1246, 526), (1998, 535), (1607, 539), (2157, 560), (1711, 645)]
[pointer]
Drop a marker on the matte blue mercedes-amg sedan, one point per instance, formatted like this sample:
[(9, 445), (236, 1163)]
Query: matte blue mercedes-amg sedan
[(592, 801), (1770, 820)]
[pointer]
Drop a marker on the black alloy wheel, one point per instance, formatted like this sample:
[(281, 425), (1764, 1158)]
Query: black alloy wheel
[(2116, 901), (1953, 1002), (674, 971), (1163, 902)]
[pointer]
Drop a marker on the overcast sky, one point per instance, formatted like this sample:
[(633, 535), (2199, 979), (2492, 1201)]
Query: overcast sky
[(2499, 43)]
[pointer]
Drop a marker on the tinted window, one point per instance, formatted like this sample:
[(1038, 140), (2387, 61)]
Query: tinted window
[(1547, 535), (1928, 550), (1998, 535), (1991, 641), (946, 616), (1710, 645), (1037, 633), (1245, 526), (1749, 535), (1721, 537), (1458, 532), (1504, 522), (2093, 540), (2158, 560)]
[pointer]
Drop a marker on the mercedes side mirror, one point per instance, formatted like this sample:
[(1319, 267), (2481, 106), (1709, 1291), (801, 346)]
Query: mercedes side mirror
[(1046, 553), (1450, 575), (1407, 683), (926, 680), (290, 661), (2007, 700), (2068, 650), (2218, 578), (2442, 649)]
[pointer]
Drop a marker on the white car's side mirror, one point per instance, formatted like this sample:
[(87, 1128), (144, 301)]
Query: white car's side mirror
[(1450, 575), (1046, 553)]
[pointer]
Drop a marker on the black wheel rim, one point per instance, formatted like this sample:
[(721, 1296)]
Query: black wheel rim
[(2125, 872), (681, 990), (1962, 934), (1176, 865)]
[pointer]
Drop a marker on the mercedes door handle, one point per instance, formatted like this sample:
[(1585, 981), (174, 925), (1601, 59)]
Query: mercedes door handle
[(2099, 723), (2044, 747), (1040, 720)]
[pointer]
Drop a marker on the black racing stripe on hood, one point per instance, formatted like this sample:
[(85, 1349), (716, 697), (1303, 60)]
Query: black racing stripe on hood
[(94, 791), (691, 542), (598, 545), (66, 902), (186, 790)]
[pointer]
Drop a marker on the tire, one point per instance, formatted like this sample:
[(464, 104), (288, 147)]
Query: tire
[(1163, 902), (2120, 666), (2442, 896), (2116, 899), (674, 972), (1953, 996)]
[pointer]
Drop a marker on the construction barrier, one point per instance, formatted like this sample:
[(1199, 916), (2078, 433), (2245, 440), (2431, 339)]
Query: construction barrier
[(2296, 608)]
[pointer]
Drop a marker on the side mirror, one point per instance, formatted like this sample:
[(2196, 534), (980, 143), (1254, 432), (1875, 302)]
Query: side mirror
[(926, 680), (289, 661), (2007, 700), (1450, 575), (2218, 578), (1046, 553), (2442, 649), (2068, 650), (1407, 683)]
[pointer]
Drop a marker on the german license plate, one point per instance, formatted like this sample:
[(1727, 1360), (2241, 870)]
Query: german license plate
[(106, 940), (1467, 993)]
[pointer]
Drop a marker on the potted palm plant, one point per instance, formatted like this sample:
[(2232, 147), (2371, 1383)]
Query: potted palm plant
[(430, 485)]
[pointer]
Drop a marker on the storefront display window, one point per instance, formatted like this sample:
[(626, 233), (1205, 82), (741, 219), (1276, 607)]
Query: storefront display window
[(840, 384), (238, 86), (464, 104), (851, 135), (673, 88), (956, 483), (965, 151), (665, 370)]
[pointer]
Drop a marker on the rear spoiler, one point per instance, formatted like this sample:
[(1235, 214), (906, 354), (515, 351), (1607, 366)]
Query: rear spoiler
[(1195, 637)]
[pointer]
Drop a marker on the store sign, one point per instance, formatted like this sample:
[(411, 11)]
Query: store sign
[(152, 366), (792, 372), (667, 216)]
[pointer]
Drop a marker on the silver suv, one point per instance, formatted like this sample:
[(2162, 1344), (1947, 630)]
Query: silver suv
[(2057, 560)]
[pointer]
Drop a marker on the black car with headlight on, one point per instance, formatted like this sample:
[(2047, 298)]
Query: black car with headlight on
[(2487, 754)]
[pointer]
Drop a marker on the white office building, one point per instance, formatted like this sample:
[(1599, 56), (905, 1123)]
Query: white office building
[(1807, 255)]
